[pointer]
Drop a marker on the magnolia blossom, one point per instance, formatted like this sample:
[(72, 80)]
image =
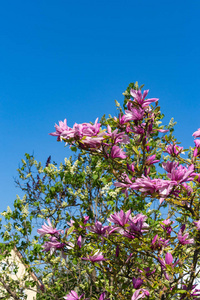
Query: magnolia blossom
[(125, 183), (159, 243), (197, 223), (48, 229), (103, 296), (52, 245), (134, 114), (197, 143), (196, 150), (120, 137), (137, 224), (151, 160), (167, 225), (140, 98), (78, 132), (174, 149), (180, 173), (167, 261), (99, 229), (60, 129), (116, 152), (151, 186), (196, 133), (95, 258), (183, 238), (140, 294), (73, 296), (120, 218), (194, 292), (137, 282)]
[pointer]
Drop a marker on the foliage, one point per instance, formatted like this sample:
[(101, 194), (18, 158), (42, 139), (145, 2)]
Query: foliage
[(126, 209)]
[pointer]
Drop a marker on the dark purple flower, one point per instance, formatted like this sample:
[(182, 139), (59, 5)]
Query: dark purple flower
[(117, 251), (137, 282)]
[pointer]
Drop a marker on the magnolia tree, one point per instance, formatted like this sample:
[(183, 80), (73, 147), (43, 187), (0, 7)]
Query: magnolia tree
[(121, 220), (148, 245)]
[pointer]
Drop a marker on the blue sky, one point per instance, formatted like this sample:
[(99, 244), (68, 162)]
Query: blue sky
[(72, 59)]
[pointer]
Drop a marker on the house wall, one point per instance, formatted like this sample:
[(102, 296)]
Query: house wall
[(15, 258)]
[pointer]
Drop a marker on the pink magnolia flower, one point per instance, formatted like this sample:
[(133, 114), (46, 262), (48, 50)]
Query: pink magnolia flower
[(134, 114), (197, 143), (117, 251), (180, 173), (167, 261), (151, 186), (126, 183), (120, 137), (99, 229), (48, 229), (137, 223), (129, 257), (137, 226), (120, 218), (183, 238), (140, 294), (73, 296), (193, 292), (188, 188), (131, 167), (159, 243), (93, 142), (167, 225), (140, 98), (103, 296), (174, 149), (139, 129), (197, 224), (88, 134), (95, 258), (151, 160), (80, 241), (197, 149), (52, 245), (196, 133), (60, 129), (117, 152)]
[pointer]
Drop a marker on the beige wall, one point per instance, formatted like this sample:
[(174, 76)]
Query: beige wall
[(14, 259)]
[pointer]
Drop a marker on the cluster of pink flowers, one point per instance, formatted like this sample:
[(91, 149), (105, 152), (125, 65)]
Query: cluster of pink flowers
[(138, 121)]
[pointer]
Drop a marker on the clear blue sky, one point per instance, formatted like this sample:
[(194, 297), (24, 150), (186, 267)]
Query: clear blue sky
[(71, 59)]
